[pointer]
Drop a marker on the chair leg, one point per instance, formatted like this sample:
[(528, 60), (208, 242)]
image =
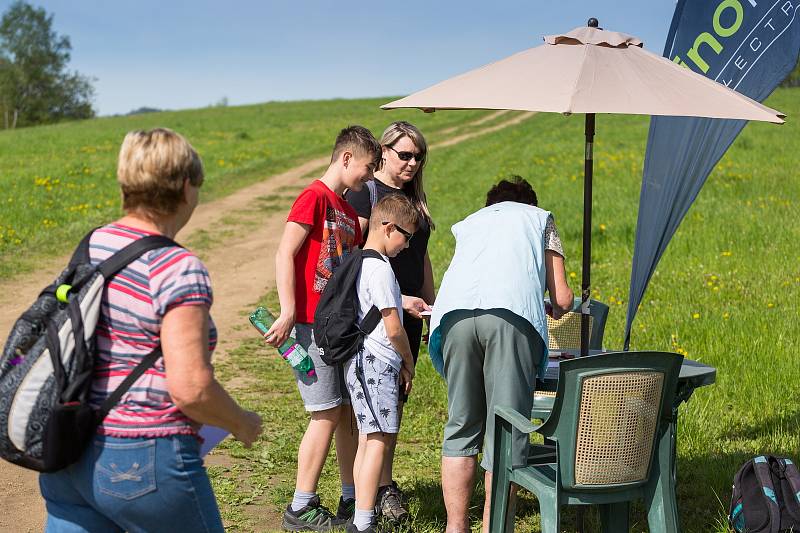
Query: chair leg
[(614, 517), (662, 508), (549, 513), (499, 518)]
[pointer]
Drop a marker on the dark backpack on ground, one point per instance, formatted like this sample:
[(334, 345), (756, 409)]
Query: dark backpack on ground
[(337, 333), (766, 496), (47, 364)]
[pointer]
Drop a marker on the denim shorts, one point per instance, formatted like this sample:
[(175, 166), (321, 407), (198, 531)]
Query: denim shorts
[(326, 389), (132, 484)]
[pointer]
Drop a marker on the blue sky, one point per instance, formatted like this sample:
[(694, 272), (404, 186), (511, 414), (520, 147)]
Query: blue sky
[(176, 54)]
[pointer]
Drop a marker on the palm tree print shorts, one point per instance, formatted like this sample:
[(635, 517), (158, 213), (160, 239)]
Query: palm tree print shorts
[(374, 388)]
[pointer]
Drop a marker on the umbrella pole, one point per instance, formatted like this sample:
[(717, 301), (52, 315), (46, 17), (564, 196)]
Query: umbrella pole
[(587, 233)]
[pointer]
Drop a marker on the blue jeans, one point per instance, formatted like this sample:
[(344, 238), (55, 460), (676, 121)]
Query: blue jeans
[(137, 484)]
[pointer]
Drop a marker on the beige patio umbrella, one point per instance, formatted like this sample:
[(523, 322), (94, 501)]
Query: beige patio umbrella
[(589, 70)]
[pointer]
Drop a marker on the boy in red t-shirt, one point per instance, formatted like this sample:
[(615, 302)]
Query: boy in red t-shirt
[(321, 229)]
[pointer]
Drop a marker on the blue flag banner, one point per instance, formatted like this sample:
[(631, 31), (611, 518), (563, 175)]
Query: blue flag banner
[(750, 46)]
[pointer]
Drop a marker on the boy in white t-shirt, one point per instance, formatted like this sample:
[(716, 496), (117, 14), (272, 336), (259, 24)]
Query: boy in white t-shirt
[(376, 375)]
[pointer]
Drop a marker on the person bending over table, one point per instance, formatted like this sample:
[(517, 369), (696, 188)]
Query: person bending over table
[(489, 331)]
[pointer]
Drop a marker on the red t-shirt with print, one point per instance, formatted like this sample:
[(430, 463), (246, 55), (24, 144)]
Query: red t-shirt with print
[(334, 232)]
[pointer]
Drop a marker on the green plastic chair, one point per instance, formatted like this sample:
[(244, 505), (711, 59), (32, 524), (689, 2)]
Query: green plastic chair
[(567, 335), (610, 425), (599, 313)]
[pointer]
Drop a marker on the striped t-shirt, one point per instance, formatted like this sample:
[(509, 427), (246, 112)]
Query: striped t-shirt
[(134, 303)]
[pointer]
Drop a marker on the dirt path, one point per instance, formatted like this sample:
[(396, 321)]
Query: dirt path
[(241, 263)]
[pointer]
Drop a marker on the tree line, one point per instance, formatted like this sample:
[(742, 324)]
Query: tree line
[(36, 86)]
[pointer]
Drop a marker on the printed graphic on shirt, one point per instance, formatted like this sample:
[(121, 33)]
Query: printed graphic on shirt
[(338, 238)]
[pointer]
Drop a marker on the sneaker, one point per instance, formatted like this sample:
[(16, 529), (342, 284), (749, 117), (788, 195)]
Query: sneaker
[(312, 517), (390, 503), (346, 508)]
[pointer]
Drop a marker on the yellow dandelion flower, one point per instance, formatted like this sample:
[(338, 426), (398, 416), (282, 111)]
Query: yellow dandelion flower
[(695, 315), (726, 316), (573, 275), (602, 227), (726, 253)]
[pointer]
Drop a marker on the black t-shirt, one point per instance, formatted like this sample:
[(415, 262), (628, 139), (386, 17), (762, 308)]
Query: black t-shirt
[(409, 265)]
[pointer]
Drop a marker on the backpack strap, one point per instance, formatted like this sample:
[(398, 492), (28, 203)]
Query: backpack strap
[(110, 267), (792, 476), (109, 403), (81, 253), (373, 316), (761, 467), (131, 252)]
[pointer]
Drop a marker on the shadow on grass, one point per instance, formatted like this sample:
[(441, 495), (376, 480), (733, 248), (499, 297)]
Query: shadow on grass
[(427, 507), (754, 428)]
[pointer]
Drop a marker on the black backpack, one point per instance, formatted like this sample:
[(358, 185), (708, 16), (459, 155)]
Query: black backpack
[(47, 364), (337, 333), (766, 496)]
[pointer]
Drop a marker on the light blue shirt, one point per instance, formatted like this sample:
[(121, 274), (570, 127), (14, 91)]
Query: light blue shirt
[(498, 264)]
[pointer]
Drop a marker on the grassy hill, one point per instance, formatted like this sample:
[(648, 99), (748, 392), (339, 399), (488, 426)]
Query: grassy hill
[(56, 182)]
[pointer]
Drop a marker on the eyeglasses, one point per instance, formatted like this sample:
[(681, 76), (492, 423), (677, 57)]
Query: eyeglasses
[(404, 233), (406, 156)]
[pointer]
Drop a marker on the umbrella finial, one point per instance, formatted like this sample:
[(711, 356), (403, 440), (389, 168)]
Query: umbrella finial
[(593, 23)]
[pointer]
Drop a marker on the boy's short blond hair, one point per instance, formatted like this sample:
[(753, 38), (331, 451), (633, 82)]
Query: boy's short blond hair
[(152, 168), (395, 208), (358, 140)]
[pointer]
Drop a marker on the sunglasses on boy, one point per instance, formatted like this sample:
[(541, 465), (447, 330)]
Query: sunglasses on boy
[(404, 233), (406, 156)]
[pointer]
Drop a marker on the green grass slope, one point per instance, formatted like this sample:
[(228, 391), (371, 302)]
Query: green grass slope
[(56, 182)]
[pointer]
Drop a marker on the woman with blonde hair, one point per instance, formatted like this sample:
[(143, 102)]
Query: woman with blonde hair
[(143, 471), (404, 154)]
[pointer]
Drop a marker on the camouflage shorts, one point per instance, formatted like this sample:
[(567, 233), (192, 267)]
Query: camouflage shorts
[(374, 388)]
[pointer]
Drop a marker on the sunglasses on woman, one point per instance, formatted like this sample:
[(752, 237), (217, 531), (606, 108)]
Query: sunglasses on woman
[(404, 233), (406, 156)]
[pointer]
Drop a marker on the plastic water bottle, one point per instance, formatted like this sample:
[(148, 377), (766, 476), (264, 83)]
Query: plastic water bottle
[(290, 350)]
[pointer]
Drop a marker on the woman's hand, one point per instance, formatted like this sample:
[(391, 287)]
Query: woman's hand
[(249, 428), (280, 331), (414, 305)]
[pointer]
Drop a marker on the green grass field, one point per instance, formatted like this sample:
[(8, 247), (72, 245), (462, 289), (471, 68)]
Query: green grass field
[(725, 292), (57, 182)]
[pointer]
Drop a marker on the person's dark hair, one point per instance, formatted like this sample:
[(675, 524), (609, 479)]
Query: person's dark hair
[(513, 189), (358, 140)]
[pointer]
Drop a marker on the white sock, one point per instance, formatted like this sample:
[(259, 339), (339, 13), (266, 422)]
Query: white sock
[(348, 492), (363, 519), (301, 499)]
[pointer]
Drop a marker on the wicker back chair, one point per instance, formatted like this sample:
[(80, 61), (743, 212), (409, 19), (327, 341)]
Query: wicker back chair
[(610, 428), (565, 334)]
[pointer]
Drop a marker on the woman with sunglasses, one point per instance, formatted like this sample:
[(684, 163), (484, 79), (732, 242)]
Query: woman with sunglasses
[(400, 172)]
